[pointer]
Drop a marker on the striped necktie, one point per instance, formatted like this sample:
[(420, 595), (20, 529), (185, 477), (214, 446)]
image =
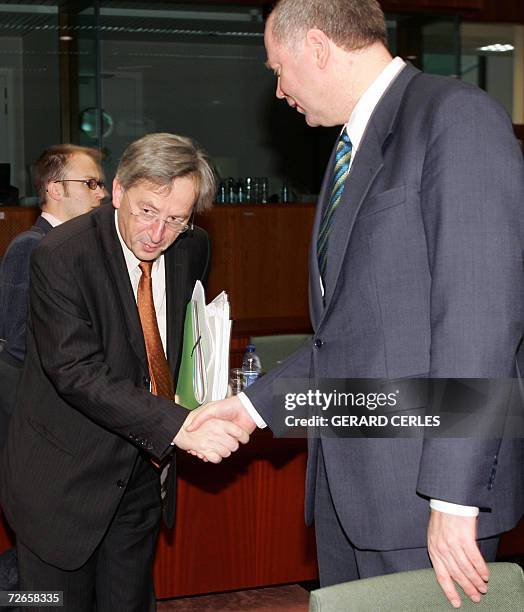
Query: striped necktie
[(161, 379), (340, 172)]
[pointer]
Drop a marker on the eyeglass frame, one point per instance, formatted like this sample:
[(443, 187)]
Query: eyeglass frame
[(98, 184), (186, 227)]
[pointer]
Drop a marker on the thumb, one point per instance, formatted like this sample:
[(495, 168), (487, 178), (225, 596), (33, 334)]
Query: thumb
[(198, 418)]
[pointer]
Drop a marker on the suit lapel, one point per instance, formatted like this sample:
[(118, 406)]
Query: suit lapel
[(117, 269), (176, 286), (367, 164), (316, 301)]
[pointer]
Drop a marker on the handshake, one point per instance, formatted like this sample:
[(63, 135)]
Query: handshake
[(215, 430)]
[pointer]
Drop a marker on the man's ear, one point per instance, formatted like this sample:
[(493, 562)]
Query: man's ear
[(319, 44), (118, 193), (55, 191)]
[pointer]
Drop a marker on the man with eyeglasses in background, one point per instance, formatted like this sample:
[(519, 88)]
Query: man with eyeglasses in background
[(68, 182), (96, 420)]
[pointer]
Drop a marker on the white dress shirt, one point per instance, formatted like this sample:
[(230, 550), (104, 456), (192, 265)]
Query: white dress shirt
[(158, 276), (356, 127), (51, 219)]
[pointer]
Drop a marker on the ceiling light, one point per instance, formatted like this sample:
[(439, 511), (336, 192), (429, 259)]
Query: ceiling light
[(497, 48)]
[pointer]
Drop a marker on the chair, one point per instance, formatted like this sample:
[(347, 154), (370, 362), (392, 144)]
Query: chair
[(272, 350), (419, 591)]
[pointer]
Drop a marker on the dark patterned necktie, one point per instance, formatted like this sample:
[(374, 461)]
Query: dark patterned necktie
[(161, 379), (340, 172)]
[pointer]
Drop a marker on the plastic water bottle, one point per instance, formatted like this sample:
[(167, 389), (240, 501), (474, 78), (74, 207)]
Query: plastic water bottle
[(251, 367)]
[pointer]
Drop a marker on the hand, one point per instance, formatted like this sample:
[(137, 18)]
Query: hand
[(455, 556), (214, 440), (230, 409)]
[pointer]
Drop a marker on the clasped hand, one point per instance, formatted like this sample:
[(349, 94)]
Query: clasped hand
[(214, 431)]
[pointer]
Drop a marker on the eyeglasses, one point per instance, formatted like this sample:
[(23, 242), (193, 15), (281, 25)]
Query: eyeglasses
[(91, 183), (148, 217)]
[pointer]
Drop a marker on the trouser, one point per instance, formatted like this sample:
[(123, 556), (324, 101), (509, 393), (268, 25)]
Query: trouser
[(118, 575), (340, 561)]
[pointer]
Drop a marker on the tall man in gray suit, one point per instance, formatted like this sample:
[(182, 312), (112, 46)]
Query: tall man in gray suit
[(415, 270), (95, 419)]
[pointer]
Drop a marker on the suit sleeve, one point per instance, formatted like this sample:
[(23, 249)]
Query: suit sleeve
[(472, 196), (72, 355), (260, 393), (14, 290)]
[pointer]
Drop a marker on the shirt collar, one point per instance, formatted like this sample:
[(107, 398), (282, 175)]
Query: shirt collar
[(364, 108), (51, 219)]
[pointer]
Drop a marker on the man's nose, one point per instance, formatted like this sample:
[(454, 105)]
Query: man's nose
[(156, 232)]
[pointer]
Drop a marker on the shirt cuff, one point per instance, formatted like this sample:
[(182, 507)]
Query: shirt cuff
[(456, 509), (246, 402)]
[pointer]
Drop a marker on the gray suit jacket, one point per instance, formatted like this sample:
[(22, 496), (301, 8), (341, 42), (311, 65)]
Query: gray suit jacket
[(424, 278), (84, 410)]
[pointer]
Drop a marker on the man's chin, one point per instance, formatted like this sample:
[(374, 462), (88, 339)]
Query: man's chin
[(311, 122), (145, 254)]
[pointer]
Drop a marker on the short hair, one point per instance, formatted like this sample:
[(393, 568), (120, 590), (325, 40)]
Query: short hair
[(52, 165), (350, 24), (161, 158)]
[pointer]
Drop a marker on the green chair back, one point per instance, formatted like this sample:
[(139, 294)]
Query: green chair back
[(419, 591)]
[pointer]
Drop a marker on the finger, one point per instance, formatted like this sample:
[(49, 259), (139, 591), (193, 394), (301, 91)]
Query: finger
[(225, 441), (445, 581), (195, 420), (477, 560), (470, 572), (212, 456), (219, 432), (458, 575), (235, 431), (217, 446)]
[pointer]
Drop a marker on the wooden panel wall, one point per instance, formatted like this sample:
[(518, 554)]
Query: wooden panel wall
[(13, 220), (239, 524), (259, 256)]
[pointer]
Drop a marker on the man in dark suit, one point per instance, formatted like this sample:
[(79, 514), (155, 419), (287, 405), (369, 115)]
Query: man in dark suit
[(415, 270), (95, 420), (68, 183)]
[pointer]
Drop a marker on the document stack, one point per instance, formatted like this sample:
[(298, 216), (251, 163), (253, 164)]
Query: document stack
[(204, 369)]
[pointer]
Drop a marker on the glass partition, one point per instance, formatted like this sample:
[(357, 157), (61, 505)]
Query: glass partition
[(103, 73)]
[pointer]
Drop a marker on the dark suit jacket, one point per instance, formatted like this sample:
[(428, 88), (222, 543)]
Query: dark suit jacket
[(14, 289), (85, 411), (424, 278)]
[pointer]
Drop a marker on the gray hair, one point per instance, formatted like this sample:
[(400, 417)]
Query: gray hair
[(161, 158), (350, 24)]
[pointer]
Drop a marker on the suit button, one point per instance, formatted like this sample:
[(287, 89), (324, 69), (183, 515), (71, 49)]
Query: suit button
[(146, 382), (318, 342), (121, 484)]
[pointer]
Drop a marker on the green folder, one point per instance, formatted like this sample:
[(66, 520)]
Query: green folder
[(184, 388)]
